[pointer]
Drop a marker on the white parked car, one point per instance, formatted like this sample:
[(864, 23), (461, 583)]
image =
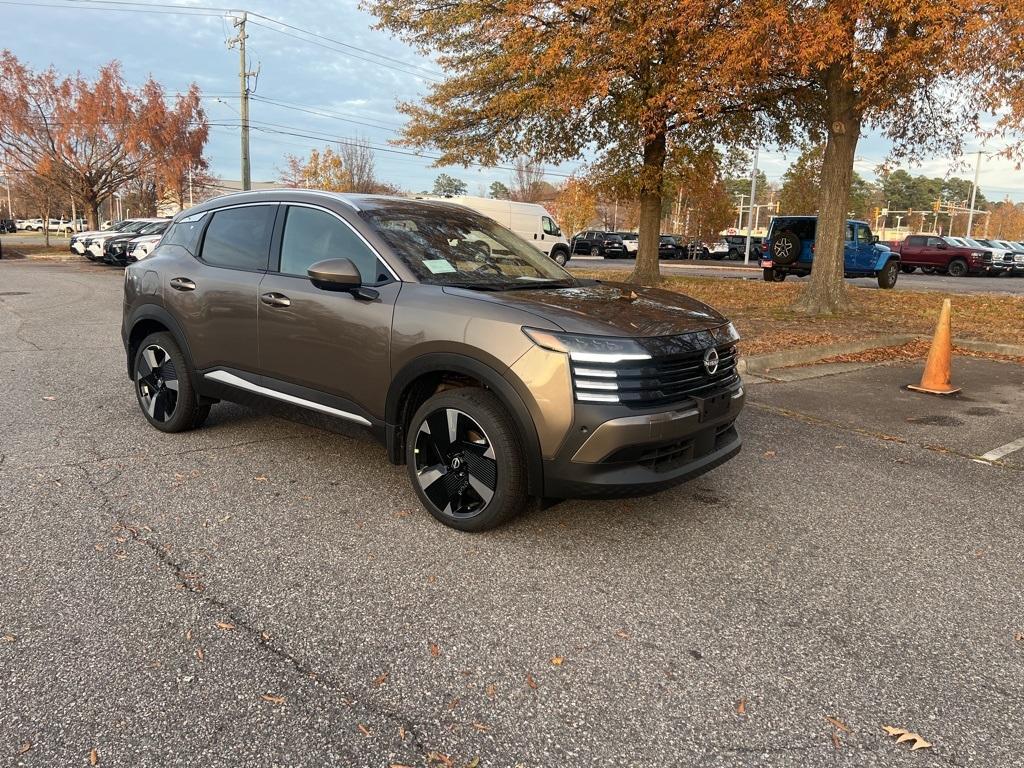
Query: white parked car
[(631, 240), (141, 247), (79, 242), (94, 244), (530, 221)]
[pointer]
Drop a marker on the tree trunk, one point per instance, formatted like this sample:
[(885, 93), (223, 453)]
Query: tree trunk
[(92, 211), (647, 269), (826, 293)]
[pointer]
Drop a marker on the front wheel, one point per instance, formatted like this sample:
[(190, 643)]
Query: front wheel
[(465, 461), (957, 268), (888, 275), (560, 257), (163, 385), (595, 251)]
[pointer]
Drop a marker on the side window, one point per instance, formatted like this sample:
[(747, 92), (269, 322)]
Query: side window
[(185, 232), (863, 234), (549, 225), (312, 235), (849, 233), (239, 238), (933, 242), (915, 241)]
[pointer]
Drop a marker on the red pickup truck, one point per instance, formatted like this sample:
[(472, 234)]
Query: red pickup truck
[(939, 254)]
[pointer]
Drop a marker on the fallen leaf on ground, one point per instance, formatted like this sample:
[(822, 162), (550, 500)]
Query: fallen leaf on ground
[(225, 625), (380, 680), (473, 763), (492, 691), (273, 699), (453, 703), (435, 651), (903, 734), (24, 747), (769, 454), (530, 681), (49, 398), (835, 740), (399, 765), (622, 633), (363, 729), (401, 732), (838, 723), (1018, 636), (439, 757), (94, 757), (199, 654), (741, 707), (260, 478), (8, 638), (557, 660)]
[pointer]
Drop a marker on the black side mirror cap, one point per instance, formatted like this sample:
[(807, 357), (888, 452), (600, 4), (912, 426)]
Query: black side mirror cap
[(335, 275)]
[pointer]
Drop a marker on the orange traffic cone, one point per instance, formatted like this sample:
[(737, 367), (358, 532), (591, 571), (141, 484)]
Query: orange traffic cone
[(936, 377)]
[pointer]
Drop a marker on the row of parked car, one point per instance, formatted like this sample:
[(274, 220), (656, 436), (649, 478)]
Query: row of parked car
[(959, 256), (122, 243), (624, 245)]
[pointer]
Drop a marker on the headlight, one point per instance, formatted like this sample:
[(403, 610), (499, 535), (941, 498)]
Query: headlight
[(589, 349), (726, 334)]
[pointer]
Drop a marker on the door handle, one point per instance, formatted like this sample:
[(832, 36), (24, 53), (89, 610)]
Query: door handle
[(275, 300), (182, 284)]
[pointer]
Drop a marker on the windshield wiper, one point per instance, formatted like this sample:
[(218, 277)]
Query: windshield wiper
[(534, 284)]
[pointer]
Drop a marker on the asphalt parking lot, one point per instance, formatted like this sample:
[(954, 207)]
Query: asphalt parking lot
[(727, 270), (266, 592)]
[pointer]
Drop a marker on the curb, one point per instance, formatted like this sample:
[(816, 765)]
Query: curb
[(802, 355)]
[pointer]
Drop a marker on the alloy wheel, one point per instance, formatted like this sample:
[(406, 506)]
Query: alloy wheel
[(455, 463), (156, 380)]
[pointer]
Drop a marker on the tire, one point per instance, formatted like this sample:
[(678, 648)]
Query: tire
[(786, 248), (928, 270), (770, 275), (466, 488), (560, 257), (907, 270), (957, 268), (595, 251), (170, 408), (888, 275)]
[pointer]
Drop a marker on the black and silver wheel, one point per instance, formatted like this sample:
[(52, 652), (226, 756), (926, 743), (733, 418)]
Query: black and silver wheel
[(957, 268), (163, 385), (465, 461), (786, 248), (560, 257), (595, 251), (888, 275)]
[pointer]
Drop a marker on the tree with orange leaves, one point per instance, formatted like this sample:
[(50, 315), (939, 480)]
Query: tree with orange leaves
[(91, 138), (915, 71), (555, 80)]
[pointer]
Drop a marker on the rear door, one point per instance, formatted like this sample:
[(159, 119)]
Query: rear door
[(850, 255), (214, 295)]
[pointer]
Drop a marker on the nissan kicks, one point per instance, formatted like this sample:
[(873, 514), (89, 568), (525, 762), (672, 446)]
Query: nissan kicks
[(494, 375)]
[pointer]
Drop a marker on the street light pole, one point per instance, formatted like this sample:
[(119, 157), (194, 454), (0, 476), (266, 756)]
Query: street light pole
[(974, 193), (753, 197)]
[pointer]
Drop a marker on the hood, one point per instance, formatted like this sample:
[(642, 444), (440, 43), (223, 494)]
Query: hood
[(608, 309)]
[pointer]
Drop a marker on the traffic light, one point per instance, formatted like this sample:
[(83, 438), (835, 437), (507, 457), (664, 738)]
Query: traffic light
[(876, 212), (936, 206)]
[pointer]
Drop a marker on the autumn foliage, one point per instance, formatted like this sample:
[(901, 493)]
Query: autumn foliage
[(90, 138)]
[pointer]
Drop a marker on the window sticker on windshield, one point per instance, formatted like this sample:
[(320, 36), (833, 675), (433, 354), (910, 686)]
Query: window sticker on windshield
[(438, 266)]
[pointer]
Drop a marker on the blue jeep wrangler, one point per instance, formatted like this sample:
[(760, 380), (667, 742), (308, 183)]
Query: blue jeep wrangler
[(789, 250)]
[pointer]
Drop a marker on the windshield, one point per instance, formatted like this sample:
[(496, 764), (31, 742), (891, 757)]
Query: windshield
[(954, 241), (628, 236), (451, 246), (975, 243), (154, 228)]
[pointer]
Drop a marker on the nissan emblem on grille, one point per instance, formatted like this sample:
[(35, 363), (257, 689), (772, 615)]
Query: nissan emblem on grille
[(711, 360)]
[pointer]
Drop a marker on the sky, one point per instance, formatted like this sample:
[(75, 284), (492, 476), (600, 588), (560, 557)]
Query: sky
[(309, 79)]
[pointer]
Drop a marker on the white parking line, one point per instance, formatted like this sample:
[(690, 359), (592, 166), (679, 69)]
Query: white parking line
[(1004, 450)]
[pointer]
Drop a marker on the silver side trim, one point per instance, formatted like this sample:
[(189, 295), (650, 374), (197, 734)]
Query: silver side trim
[(236, 381)]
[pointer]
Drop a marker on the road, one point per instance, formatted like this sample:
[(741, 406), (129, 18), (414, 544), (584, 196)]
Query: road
[(265, 592), (733, 271)]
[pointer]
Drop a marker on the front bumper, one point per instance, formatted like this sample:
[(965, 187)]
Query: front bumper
[(645, 453)]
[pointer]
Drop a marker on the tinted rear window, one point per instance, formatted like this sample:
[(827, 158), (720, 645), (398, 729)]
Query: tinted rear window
[(185, 232), (239, 238)]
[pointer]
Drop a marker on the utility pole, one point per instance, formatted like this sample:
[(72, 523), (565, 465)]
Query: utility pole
[(753, 198), (974, 193), (243, 80)]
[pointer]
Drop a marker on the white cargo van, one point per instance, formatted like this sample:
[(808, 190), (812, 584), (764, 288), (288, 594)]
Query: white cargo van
[(530, 221)]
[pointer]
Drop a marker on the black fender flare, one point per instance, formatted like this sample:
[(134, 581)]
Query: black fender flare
[(493, 379), (158, 314)]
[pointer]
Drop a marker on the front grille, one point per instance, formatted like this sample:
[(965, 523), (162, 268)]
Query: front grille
[(666, 456), (660, 381)]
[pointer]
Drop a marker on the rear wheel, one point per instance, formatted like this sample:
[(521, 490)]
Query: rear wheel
[(957, 268), (464, 460), (163, 385), (889, 274), (772, 276), (594, 251), (908, 270)]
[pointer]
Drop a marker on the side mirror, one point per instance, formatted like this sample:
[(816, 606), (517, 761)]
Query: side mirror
[(874, 238), (942, 246), (335, 275)]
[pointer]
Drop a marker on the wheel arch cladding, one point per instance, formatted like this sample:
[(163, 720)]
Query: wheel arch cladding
[(419, 379), (151, 318)]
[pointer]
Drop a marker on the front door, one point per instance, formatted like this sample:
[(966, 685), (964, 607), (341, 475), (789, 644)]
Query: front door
[(330, 347)]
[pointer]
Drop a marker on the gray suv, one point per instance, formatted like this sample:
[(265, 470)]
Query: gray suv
[(493, 374)]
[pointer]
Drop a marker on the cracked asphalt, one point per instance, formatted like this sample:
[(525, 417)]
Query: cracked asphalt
[(267, 592)]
